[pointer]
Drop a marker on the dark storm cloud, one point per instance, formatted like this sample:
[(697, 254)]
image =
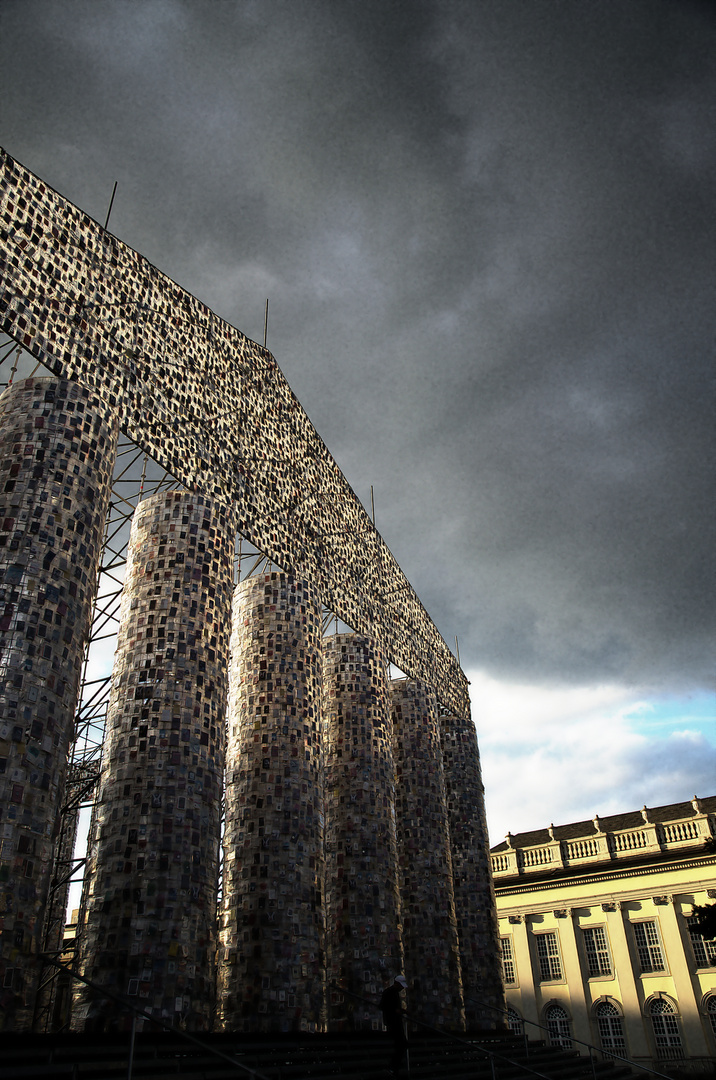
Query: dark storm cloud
[(487, 233)]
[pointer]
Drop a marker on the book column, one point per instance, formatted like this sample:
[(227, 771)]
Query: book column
[(272, 963), (153, 857), (363, 934), (430, 941), (477, 925), (57, 448)]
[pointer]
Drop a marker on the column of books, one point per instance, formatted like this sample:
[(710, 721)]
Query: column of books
[(153, 865), (363, 936), (271, 972), (474, 893), (57, 450), (430, 940)]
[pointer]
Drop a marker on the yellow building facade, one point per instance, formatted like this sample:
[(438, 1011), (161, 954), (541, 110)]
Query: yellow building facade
[(598, 935)]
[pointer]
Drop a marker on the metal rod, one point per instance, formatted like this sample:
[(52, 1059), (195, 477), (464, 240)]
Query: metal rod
[(457, 651), (111, 202), (266, 324), (128, 466), (130, 1064), (14, 366), (372, 504), (4, 358), (144, 477), (259, 559)]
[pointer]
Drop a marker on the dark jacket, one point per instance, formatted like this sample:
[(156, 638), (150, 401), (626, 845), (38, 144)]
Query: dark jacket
[(391, 1005)]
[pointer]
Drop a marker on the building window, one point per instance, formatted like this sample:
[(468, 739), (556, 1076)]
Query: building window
[(550, 965), (558, 1027), (704, 949), (666, 1030), (597, 948), (508, 962), (514, 1021), (648, 943), (611, 1030), (711, 1013)]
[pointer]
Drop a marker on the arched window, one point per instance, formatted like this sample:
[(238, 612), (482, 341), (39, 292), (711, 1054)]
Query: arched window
[(558, 1027), (666, 1029), (711, 1012), (611, 1029), (514, 1021)]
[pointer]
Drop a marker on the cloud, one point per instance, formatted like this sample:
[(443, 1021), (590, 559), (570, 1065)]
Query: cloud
[(560, 754), (486, 233)]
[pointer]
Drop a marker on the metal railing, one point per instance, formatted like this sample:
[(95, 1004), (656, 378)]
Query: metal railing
[(138, 1013), (492, 1055), (608, 1054)]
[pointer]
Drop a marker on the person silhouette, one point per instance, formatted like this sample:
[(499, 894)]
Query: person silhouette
[(391, 1007)]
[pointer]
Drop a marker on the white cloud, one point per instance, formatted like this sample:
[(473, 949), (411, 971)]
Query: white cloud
[(561, 754)]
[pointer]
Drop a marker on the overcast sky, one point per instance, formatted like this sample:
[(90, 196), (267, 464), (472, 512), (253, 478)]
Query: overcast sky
[(486, 230)]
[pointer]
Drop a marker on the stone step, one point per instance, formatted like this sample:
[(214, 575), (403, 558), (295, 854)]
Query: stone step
[(161, 1057)]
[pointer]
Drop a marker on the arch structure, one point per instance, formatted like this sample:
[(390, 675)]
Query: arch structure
[(558, 1023), (211, 406), (664, 1014), (609, 1016), (515, 1022), (709, 1009)]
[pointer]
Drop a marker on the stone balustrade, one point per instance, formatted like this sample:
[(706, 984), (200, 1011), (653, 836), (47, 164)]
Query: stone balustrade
[(603, 845)]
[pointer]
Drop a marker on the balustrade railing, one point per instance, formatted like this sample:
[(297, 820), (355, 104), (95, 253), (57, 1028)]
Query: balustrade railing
[(680, 830), (583, 849), (500, 863), (606, 845), (535, 856), (629, 841)]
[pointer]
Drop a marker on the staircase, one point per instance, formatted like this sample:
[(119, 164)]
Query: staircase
[(164, 1056)]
